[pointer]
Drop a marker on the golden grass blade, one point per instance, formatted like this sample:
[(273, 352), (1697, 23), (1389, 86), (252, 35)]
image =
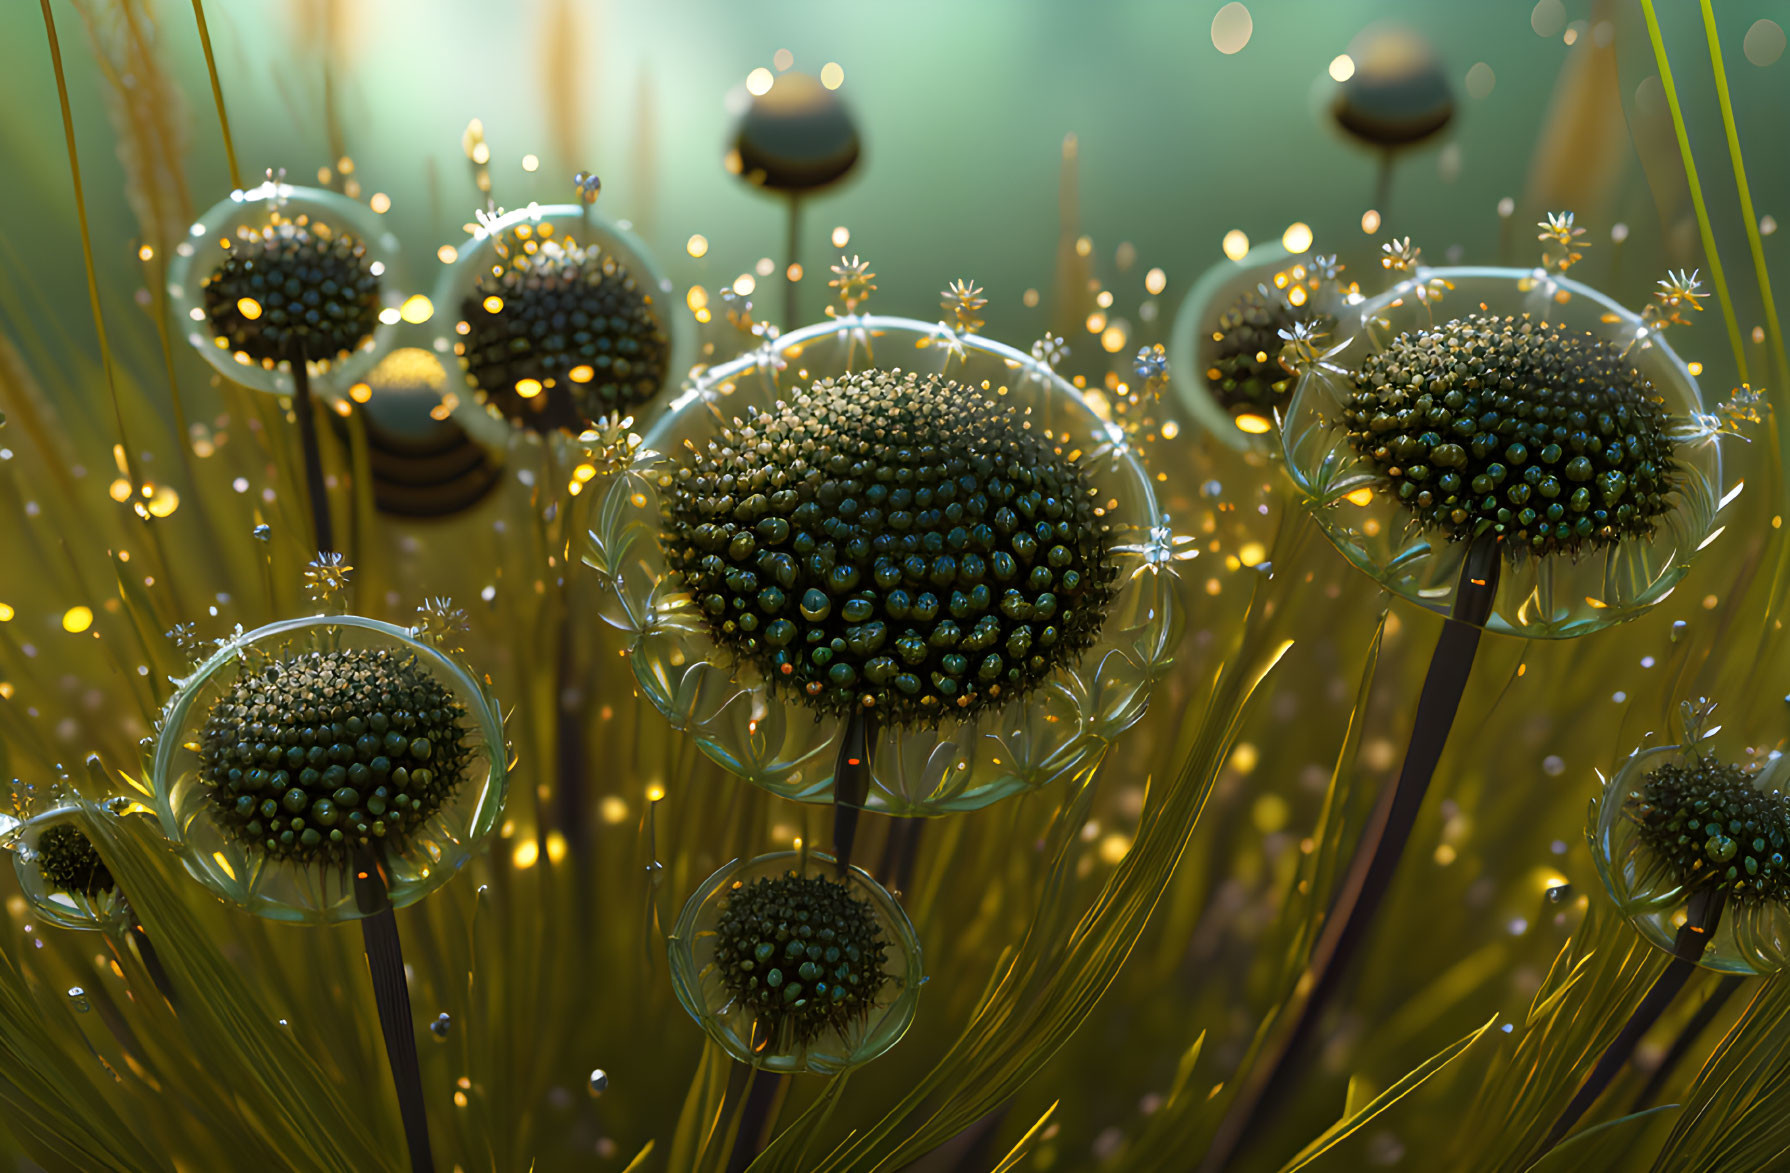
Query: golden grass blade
[(1704, 228), (1355, 1121)]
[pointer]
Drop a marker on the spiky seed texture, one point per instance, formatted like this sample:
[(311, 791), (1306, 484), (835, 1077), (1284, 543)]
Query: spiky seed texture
[(562, 335), (1245, 370), (906, 544), (800, 952), (290, 288), (1510, 425), (319, 752), (1709, 825), (68, 862)]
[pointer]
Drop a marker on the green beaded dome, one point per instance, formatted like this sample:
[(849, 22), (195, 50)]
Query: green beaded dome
[(800, 952), (315, 754), (1244, 368), (1709, 825), (561, 336), (288, 287), (1509, 425), (67, 861), (907, 544)]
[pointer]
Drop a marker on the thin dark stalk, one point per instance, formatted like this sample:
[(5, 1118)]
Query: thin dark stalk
[(851, 784), (1383, 183), (391, 993), (1703, 913), (1377, 855), (755, 1119), (1687, 1038), (152, 962), (792, 258), (313, 455), (569, 746), (900, 851)]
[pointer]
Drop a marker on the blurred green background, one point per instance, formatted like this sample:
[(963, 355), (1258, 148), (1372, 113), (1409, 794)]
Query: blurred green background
[(964, 109)]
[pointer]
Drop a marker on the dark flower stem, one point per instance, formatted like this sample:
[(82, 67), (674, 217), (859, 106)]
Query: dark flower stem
[(851, 784), (1703, 913), (313, 456), (152, 961), (762, 1094), (379, 925), (900, 851), (1383, 181), (791, 257), (1687, 1038), (1377, 855), (385, 960)]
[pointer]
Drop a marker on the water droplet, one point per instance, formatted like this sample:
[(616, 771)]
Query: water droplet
[(1678, 629), (262, 532), (77, 998), (1211, 489), (1720, 848), (1559, 893), (439, 1028), (599, 1082), (116, 805)]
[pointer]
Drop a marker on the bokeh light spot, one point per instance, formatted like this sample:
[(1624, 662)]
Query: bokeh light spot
[(1231, 28), (1764, 42)]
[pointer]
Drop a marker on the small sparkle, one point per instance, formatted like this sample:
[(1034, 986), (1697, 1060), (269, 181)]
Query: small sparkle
[(326, 576), (441, 623), (854, 283), (1561, 239), (964, 301)]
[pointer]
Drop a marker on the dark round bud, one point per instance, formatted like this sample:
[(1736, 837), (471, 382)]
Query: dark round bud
[(293, 290), (802, 953), (1511, 426), (422, 462), (562, 335), (310, 704), (1399, 93), (1243, 367), (68, 863), (914, 523), (795, 137), (1709, 826)]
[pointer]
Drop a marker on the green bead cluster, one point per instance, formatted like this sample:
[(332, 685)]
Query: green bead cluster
[(68, 863), (321, 752), (1512, 426), (1244, 369), (561, 336), (900, 543), (800, 952), (288, 289), (1708, 825)]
